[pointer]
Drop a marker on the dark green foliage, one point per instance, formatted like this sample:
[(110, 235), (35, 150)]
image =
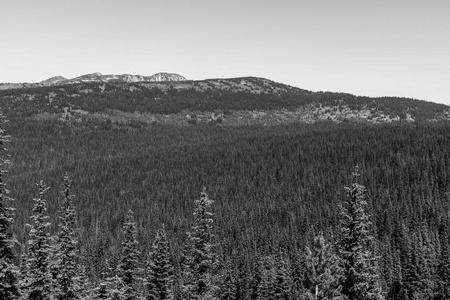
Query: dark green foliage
[(361, 275), (228, 286), (102, 291), (8, 271), (199, 265), (66, 256), (266, 286), (129, 263), (169, 100), (275, 183), (255, 280), (443, 271), (159, 269), (37, 263), (420, 275), (323, 271), (282, 280)]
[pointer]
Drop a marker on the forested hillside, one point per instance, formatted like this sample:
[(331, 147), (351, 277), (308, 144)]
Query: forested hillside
[(275, 189), (239, 188), (222, 96)]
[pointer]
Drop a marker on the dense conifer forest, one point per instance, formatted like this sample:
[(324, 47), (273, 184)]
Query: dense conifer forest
[(299, 211)]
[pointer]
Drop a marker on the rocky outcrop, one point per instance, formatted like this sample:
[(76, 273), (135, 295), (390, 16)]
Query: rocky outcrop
[(126, 78), (53, 80), (166, 77), (96, 77)]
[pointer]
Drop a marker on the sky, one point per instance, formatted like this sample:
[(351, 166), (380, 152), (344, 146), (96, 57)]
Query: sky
[(364, 47)]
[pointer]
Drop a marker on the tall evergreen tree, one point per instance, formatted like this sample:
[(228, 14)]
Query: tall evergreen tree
[(228, 287), (9, 275), (282, 280), (266, 287), (443, 272), (65, 267), (412, 288), (199, 259), (101, 292), (323, 271), (37, 265), (159, 269), (255, 280), (110, 284), (428, 262), (361, 274), (128, 267)]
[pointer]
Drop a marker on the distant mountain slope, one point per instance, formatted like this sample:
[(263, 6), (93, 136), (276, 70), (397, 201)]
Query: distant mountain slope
[(258, 100), (95, 77), (53, 80), (98, 77)]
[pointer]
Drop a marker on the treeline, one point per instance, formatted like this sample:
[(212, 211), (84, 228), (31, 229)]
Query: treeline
[(135, 97)]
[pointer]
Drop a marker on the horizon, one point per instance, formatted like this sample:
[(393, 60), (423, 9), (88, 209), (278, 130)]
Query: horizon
[(359, 47)]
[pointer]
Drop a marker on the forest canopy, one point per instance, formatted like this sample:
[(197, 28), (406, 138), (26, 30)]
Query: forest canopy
[(274, 190)]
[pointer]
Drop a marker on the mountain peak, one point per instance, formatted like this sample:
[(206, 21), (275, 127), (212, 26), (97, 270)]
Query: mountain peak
[(53, 80), (164, 76)]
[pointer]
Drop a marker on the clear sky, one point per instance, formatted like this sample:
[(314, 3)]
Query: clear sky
[(364, 47)]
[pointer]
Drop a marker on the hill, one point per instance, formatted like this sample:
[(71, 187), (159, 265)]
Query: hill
[(235, 101), (274, 187), (94, 77)]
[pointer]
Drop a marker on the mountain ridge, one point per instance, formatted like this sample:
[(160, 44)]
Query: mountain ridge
[(241, 100), (96, 77)]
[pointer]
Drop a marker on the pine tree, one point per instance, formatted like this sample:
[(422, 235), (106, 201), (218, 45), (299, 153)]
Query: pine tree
[(242, 278), (228, 287), (37, 265), (412, 279), (9, 274), (199, 259), (443, 272), (361, 276), (323, 271), (266, 287), (111, 281), (282, 280), (159, 269), (128, 267), (255, 280), (23, 272), (101, 292), (427, 262), (115, 286), (65, 268)]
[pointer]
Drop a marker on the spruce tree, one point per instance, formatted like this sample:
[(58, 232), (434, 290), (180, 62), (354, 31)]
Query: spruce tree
[(419, 280), (102, 292), (282, 280), (228, 287), (9, 274), (128, 267), (255, 280), (65, 267), (266, 287), (110, 280), (361, 274), (199, 265), (428, 258), (323, 271), (37, 265), (443, 272), (159, 269)]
